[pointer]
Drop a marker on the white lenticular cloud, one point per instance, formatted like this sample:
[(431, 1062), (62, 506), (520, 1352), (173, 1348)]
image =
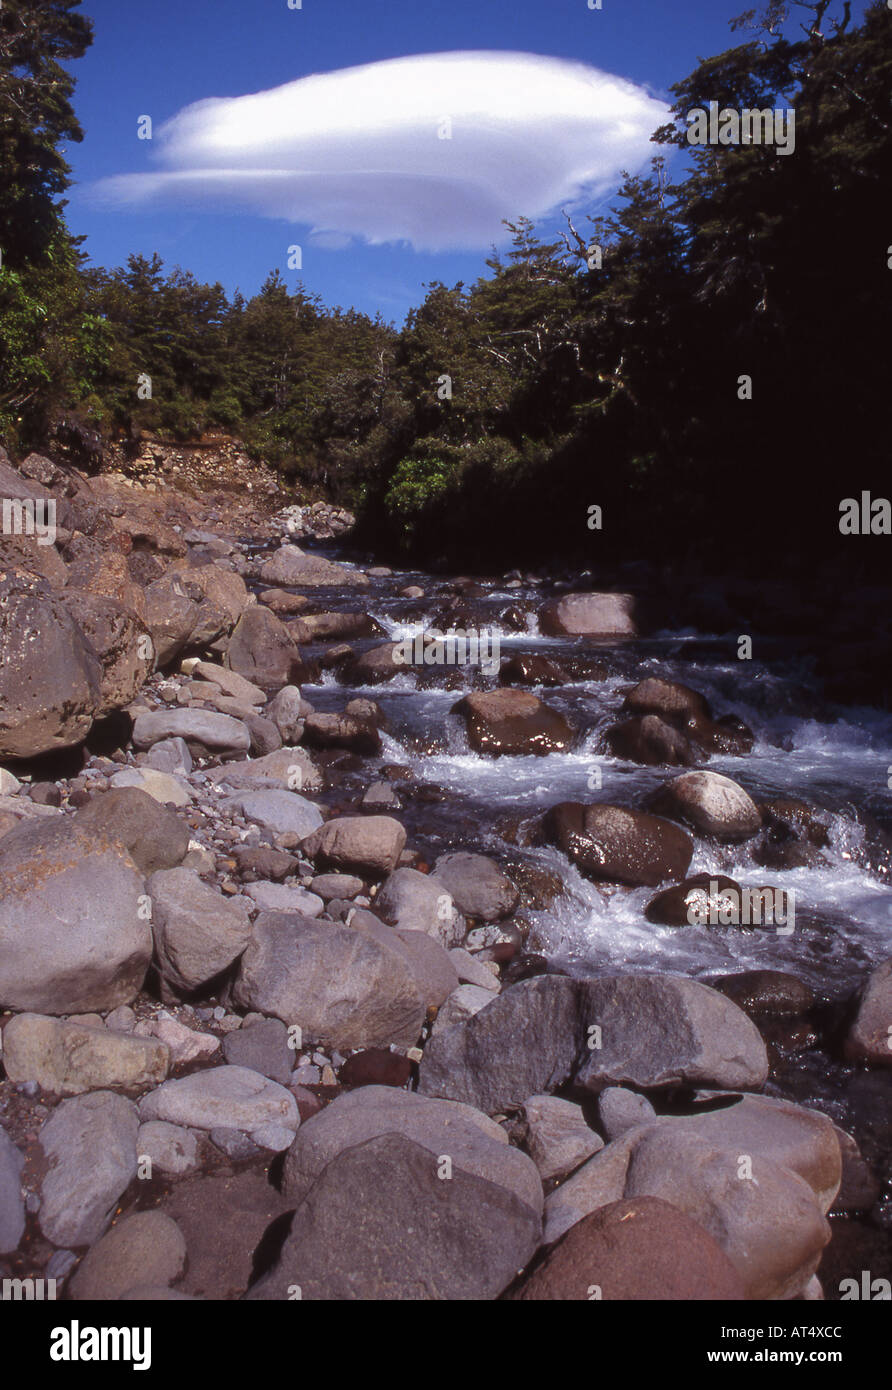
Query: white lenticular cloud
[(363, 152)]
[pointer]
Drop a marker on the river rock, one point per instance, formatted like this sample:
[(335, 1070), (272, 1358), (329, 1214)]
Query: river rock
[(284, 897), (620, 1110), (204, 731), (262, 1046), (262, 650), (169, 1148), (286, 710), (228, 1097), (160, 786), (145, 1248), (67, 1058), (478, 885), (664, 1030), (288, 769), (50, 677), (462, 1004), (340, 986), (171, 615), (420, 902), (120, 642), (712, 804), (589, 615), (90, 1147), (170, 755), (362, 844), (379, 1223), (278, 812), (673, 701), (509, 721), (291, 565), (153, 835), (71, 936), (650, 740), (678, 905), (557, 1136), (532, 669), (472, 1140), (377, 665), (618, 844), (629, 1250), (767, 993), (12, 1203), (525, 1042), (870, 1037), (342, 731), (198, 932), (229, 682)]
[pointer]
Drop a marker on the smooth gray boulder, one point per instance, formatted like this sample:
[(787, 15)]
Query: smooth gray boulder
[(357, 844), (472, 1140), (198, 932), (218, 733), (479, 886), (90, 1146), (279, 812), (73, 938), (145, 1248), (228, 1097), (382, 1222), (419, 902), (12, 1203), (340, 986), (558, 1139)]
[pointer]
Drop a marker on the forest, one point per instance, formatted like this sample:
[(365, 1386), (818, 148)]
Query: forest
[(699, 376)]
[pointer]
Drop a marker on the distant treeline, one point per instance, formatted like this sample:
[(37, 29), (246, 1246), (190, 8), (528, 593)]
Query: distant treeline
[(708, 364)]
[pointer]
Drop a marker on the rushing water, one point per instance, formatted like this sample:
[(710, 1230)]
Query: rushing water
[(840, 759)]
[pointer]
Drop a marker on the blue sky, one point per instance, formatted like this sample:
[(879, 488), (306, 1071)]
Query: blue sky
[(158, 58)]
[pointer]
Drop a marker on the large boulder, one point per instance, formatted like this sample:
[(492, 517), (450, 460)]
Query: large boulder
[(145, 1249), (639, 1030), (618, 844), (377, 665), (479, 887), (765, 1217), (287, 769), (203, 731), (629, 1250), (12, 1202), (291, 565), (50, 676), (385, 1221), (361, 844), (73, 938), (89, 1143), (340, 986), (171, 615), (278, 812), (665, 1030), (262, 649), (669, 699), (870, 1037), (472, 1140), (419, 902), (67, 1058), (152, 833), (227, 1097), (589, 615), (649, 739), (342, 731), (711, 804), (526, 1042), (509, 721), (120, 642), (198, 933)]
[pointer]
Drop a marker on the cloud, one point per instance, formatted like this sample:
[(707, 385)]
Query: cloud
[(362, 153)]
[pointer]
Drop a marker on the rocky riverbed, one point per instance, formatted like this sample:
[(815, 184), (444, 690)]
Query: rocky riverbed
[(334, 967)]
